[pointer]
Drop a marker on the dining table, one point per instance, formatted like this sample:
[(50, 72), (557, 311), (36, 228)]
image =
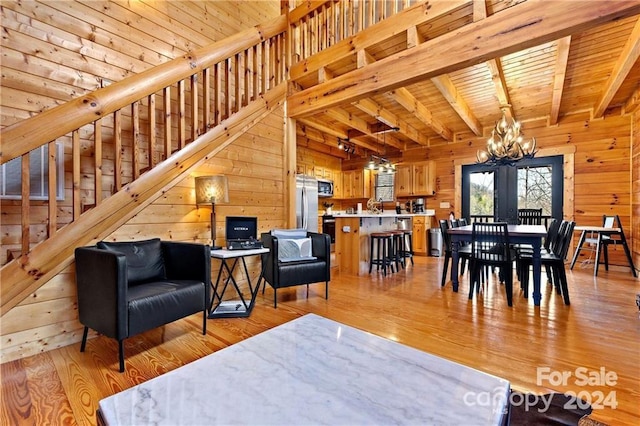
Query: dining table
[(518, 234)]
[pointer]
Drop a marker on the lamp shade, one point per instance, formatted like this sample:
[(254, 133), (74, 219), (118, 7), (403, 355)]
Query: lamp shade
[(212, 189)]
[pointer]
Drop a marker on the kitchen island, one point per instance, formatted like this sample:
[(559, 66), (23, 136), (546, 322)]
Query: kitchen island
[(353, 230)]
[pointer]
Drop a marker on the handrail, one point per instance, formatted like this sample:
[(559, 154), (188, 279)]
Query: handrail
[(126, 129), (29, 134)]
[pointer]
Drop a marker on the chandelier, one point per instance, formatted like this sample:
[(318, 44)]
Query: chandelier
[(377, 162), (506, 146), (381, 164)]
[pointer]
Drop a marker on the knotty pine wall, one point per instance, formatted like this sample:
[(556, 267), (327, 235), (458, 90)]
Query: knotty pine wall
[(54, 51), (254, 165)]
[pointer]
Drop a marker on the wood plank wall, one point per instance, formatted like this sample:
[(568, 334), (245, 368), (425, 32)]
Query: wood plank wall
[(55, 51), (254, 165)]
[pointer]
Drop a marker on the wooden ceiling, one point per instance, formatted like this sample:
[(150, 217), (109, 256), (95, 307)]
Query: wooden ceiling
[(594, 70)]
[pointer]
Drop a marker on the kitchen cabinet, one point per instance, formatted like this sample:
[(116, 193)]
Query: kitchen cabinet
[(356, 184), (416, 179), (420, 243)]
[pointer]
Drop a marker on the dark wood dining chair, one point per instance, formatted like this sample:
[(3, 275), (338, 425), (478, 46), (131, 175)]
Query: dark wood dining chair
[(530, 216), (490, 247), (464, 252), (554, 260)]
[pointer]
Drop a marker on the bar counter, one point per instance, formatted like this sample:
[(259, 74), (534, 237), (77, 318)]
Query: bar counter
[(352, 236)]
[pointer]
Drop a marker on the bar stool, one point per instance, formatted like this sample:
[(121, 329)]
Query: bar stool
[(383, 244), (407, 245), (396, 250)]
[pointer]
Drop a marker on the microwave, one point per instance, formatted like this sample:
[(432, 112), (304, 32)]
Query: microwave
[(325, 188)]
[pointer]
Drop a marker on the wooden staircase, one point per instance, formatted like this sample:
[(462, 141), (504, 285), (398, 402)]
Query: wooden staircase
[(212, 96)]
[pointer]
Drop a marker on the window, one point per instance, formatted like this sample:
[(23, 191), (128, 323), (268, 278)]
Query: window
[(497, 193), (535, 189), (11, 175), (384, 186)]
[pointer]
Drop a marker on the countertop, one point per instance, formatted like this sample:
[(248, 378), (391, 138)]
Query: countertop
[(391, 214)]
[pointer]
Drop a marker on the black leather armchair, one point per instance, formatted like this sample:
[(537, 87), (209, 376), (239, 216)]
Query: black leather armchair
[(281, 274), (126, 288)]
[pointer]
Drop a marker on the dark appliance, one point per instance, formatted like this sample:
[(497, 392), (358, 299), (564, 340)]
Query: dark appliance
[(329, 228), (242, 233), (325, 188), (418, 206)]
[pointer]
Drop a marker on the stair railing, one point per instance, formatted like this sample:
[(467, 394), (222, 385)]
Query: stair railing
[(321, 24), (116, 133)]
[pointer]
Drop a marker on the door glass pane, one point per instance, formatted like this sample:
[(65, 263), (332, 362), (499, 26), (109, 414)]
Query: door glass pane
[(481, 194), (535, 189)]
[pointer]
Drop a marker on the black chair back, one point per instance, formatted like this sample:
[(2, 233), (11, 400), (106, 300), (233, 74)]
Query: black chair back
[(530, 216), (552, 233), (490, 243), (446, 238)]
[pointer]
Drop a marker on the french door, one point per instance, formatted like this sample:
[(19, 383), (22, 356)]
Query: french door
[(496, 193)]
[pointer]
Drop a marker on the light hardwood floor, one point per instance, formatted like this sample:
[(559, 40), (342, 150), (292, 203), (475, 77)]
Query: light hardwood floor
[(599, 332)]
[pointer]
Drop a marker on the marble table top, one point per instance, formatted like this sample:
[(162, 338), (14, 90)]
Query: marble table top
[(313, 370)]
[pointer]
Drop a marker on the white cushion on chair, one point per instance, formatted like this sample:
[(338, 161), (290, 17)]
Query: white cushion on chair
[(294, 249), (289, 233)]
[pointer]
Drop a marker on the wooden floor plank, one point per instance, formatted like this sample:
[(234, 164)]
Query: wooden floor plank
[(599, 330)]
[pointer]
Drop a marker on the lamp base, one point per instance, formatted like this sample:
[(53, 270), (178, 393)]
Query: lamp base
[(216, 247)]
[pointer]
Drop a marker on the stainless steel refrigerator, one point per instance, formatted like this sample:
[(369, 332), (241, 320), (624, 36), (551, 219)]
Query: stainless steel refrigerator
[(307, 202)]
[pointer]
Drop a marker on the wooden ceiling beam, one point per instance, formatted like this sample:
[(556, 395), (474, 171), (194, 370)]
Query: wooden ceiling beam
[(633, 102), (500, 84), (516, 28), (390, 27), (457, 102), (422, 113), (313, 139), (357, 140), (626, 60), (361, 125), (494, 65), (562, 58), (390, 119)]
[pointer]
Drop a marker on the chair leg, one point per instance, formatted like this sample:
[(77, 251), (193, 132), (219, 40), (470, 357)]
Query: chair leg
[(204, 321), (84, 338), (474, 277), (275, 297), (606, 256), (508, 286), (307, 291), (628, 254), (326, 290), (121, 354), (563, 283), (444, 269), (370, 254)]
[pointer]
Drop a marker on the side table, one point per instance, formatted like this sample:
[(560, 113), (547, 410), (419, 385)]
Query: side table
[(236, 308)]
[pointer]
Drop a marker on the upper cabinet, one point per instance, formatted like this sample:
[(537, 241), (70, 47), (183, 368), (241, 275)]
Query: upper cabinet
[(417, 179), (356, 184)]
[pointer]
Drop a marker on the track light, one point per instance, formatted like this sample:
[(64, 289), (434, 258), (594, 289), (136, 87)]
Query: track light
[(346, 146)]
